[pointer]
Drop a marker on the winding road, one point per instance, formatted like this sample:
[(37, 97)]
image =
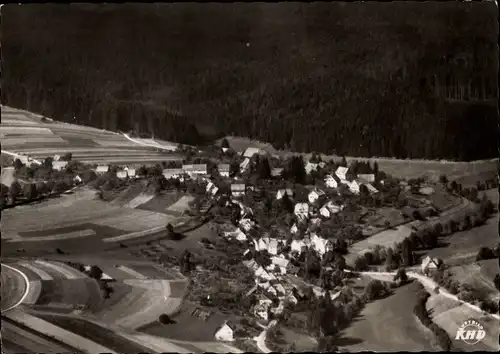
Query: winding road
[(14, 288)]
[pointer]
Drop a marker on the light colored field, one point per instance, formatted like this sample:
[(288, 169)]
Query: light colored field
[(9, 143), (450, 315), (140, 199), (181, 205), (134, 220), (40, 272), (61, 268), (7, 176), (62, 236), (24, 130)]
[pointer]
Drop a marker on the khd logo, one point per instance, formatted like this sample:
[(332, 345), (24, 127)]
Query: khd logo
[(471, 332)]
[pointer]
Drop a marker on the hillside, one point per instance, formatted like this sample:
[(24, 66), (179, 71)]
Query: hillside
[(408, 79)]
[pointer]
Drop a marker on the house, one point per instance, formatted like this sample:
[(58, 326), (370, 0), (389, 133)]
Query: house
[(329, 209), (262, 311), (354, 187), (225, 332), (274, 246), (291, 298), (246, 224), (279, 309), (341, 173), (169, 173), (212, 188), (281, 193), (249, 152), (368, 178), (238, 190), (251, 264), (301, 210), (131, 173), (294, 229), (59, 165), (101, 169), (282, 263), (77, 179), (298, 246), (223, 169), (276, 172), (330, 181), (121, 174), (430, 264), (195, 170), (244, 164), (309, 167), (371, 188), (320, 244), (263, 274), (322, 164), (237, 234), (57, 157), (314, 195)]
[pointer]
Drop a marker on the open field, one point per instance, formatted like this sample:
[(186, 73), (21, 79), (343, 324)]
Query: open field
[(181, 205), (162, 202), (24, 132), (188, 326), (450, 315), (388, 325), (479, 275)]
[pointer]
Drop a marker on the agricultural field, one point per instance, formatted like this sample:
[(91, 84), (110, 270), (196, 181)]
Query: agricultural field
[(180, 206), (27, 133), (450, 315), (388, 325)]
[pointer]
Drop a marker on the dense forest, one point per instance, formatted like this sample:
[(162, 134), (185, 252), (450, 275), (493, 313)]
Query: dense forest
[(400, 79)]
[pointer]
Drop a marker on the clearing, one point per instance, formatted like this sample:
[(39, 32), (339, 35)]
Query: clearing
[(388, 325)]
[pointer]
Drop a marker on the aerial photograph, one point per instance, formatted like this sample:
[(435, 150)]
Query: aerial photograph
[(250, 177)]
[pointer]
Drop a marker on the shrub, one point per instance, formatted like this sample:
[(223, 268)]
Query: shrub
[(95, 272), (164, 319), (375, 289), (497, 281), (485, 253), (361, 263)]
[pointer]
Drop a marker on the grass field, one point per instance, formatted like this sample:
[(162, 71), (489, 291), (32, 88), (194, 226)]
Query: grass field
[(70, 292), (388, 325), (162, 202), (479, 275), (450, 315)]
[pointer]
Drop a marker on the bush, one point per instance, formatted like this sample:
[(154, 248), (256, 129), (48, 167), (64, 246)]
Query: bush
[(164, 319), (485, 253), (497, 281), (361, 263), (375, 289), (95, 272)]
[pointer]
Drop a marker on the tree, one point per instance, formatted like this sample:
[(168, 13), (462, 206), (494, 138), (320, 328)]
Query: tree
[(95, 272), (497, 281), (438, 229), (142, 171), (17, 164), (264, 169), (29, 191), (67, 157), (485, 253), (327, 345), (375, 168), (389, 259), (165, 319), (401, 276), (374, 290), (361, 263), (14, 191), (47, 163), (363, 190), (443, 179), (407, 253), (343, 162), (225, 144)]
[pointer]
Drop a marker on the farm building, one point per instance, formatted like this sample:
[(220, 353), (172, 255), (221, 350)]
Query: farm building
[(169, 173), (301, 210), (121, 174), (341, 173), (246, 224), (281, 193), (294, 229), (195, 170), (261, 273), (225, 332), (237, 234), (330, 181), (238, 189), (223, 169), (298, 246), (330, 208), (276, 172), (430, 264), (354, 187), (101, 169), (249, 152), (367, 178), (314, 195), (261, 311), (77, 179), (59, 165), (281, 262)]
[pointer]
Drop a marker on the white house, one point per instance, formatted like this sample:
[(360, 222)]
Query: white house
[(309, 167), (368, 178), (281, 193), (251, 264), (77, 179), (263, 274), (320, 244), (249, 152), (279, 309), (301, 210), (195, 170), (244, 164), (281, 262), (292, 299), (237, 234), (246, 224), (274, 246), (131, 173), (294, 229), (276, 172), (354, 187), (121, 174), (172, 173), (322, 164), (330, 181), (225, 332), (59, 165), (101, 169), (329, 209), (237, 190), (430, 264), (298, 246), (314, 195), (341, 173), (56, 157), (223, 169), (212, 188)]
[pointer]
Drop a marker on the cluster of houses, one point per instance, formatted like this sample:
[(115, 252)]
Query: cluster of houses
[(341, 176)]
